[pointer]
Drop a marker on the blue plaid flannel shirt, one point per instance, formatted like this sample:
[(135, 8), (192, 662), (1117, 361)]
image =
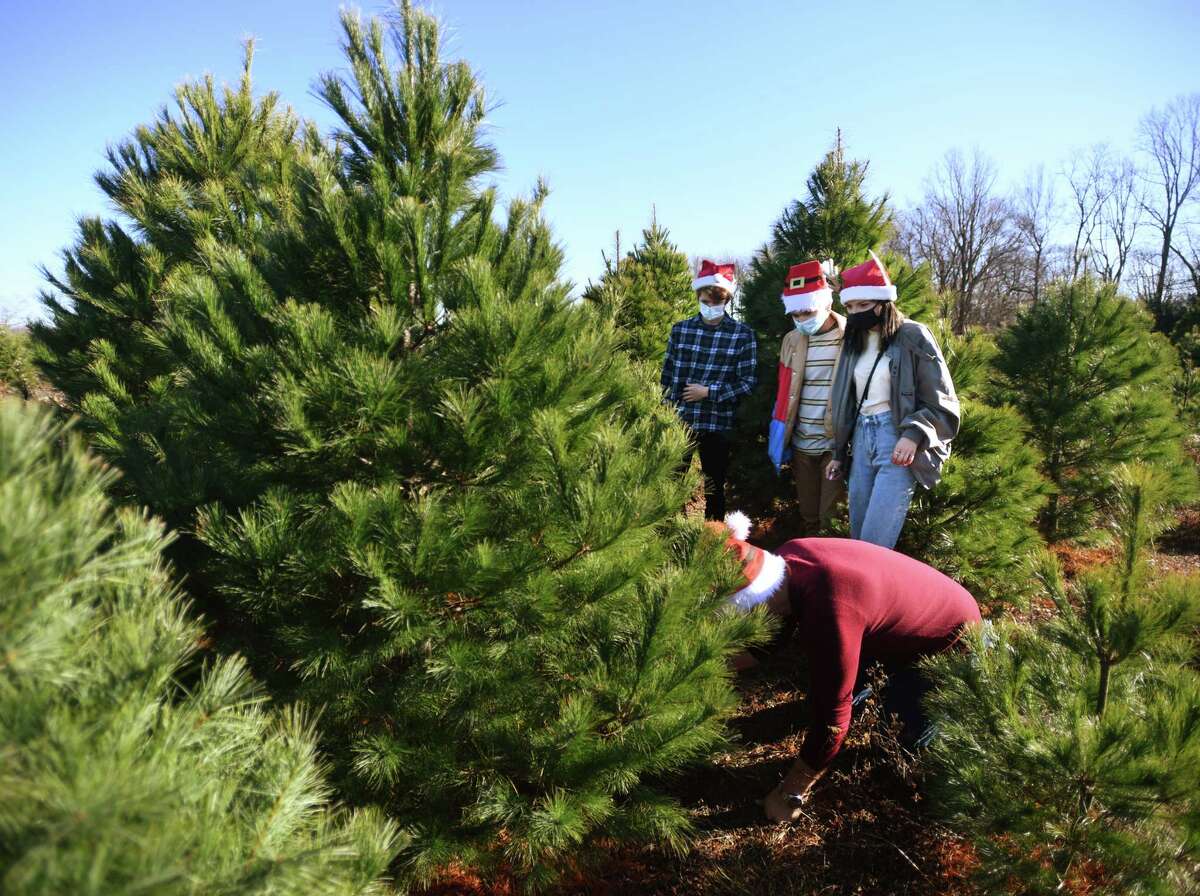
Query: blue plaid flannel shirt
[(723, 357)]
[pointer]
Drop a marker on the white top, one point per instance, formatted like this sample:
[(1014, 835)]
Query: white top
[(879, 399)]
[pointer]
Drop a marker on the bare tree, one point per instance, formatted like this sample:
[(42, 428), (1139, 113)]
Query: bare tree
[(1120, 218), (1189, 257), (1035, 213), (964, 231), (1086, 174), (1171, 138)]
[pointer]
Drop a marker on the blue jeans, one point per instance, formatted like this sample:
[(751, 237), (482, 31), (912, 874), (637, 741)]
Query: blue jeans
[(880, 491)]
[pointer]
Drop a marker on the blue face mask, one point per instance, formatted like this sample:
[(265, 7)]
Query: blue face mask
[(712, 312), (810, 326)]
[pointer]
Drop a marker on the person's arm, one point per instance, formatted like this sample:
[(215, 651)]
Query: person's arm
[(844, 390), (835, 646), (667, 379), (745, 373), (938, 415)]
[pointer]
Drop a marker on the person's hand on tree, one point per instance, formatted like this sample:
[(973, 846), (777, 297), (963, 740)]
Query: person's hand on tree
[(695, 392), (833, 471), (904, 452)]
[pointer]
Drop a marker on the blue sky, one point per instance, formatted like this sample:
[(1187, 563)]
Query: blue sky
[(714, 113)]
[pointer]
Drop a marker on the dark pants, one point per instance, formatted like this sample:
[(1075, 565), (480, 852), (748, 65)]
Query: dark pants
[(905, 688), (714, 462)]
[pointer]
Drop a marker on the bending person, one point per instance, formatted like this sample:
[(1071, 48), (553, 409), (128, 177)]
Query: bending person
[(853, 604)]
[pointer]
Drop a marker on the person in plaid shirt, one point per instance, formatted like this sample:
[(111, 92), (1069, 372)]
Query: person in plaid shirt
[(710, 365)]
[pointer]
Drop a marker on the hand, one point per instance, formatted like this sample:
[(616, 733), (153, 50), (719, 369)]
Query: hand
[(778, 807), (786, 801), (695, 392), (904, 452), (833, 471)]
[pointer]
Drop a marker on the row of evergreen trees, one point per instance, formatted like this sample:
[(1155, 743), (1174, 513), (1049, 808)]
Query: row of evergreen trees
[(432, 499), (1076, 385)]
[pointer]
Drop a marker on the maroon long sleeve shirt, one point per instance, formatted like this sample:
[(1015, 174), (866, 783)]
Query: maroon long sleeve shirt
[(859, 603)]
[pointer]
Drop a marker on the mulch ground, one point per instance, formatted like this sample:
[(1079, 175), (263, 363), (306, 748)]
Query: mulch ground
[(865, 831)]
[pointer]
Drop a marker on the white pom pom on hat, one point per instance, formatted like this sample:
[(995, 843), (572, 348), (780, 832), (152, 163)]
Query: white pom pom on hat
[(739, 524)]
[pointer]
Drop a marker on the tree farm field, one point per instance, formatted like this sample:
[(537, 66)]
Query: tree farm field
[(351, 542)]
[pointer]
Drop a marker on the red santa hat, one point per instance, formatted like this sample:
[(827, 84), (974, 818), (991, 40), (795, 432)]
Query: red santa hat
[(806, 288), (713, 274), (763, 573), (868, 281)]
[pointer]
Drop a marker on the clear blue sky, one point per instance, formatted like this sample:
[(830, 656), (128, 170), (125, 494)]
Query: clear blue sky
[(713, 112)]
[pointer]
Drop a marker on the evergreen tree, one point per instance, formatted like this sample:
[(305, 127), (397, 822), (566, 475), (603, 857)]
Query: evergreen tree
[(125, 768), (645, 292), (979, 525), (835, 220), (17, 371), (1094, 384), (438, 502), (209, 170), (1075, 745)]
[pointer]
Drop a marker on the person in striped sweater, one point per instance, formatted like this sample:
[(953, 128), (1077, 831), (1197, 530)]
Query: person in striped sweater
[(801, 426)]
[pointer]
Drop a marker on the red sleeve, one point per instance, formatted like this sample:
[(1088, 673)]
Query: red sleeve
[(834, 645)]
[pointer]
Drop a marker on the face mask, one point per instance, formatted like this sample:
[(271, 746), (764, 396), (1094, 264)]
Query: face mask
[(712, 312), (810, 326), (862, 320)]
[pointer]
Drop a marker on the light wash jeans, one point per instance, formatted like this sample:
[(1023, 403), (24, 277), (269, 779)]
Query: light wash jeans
[(880, 491)]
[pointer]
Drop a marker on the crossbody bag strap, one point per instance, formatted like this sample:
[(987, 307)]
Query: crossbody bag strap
[(866, 389)]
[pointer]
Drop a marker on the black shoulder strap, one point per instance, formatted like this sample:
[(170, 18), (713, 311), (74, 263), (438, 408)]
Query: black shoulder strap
[(867, 387)]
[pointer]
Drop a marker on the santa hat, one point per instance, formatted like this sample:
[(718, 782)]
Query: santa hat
[(806, 288), (762, 572), (867, 282), (713, 274)]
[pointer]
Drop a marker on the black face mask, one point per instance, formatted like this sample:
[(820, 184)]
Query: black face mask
[(862, 320)]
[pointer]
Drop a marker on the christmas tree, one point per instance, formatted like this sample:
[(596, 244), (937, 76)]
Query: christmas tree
[(835, 220), (436, 500), (17, 371), (645, 292), (212, 174), (1071, 750), (1094, 384), (979, 525), (128, 769)]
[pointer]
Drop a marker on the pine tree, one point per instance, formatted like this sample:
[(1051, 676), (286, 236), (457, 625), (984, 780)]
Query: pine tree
[(436, 500), (835, 220), (1094, 384), (210, 169), (17, 371), (979, 525), (645, 292), (1073, 747), (126, 768), (217, 171)]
